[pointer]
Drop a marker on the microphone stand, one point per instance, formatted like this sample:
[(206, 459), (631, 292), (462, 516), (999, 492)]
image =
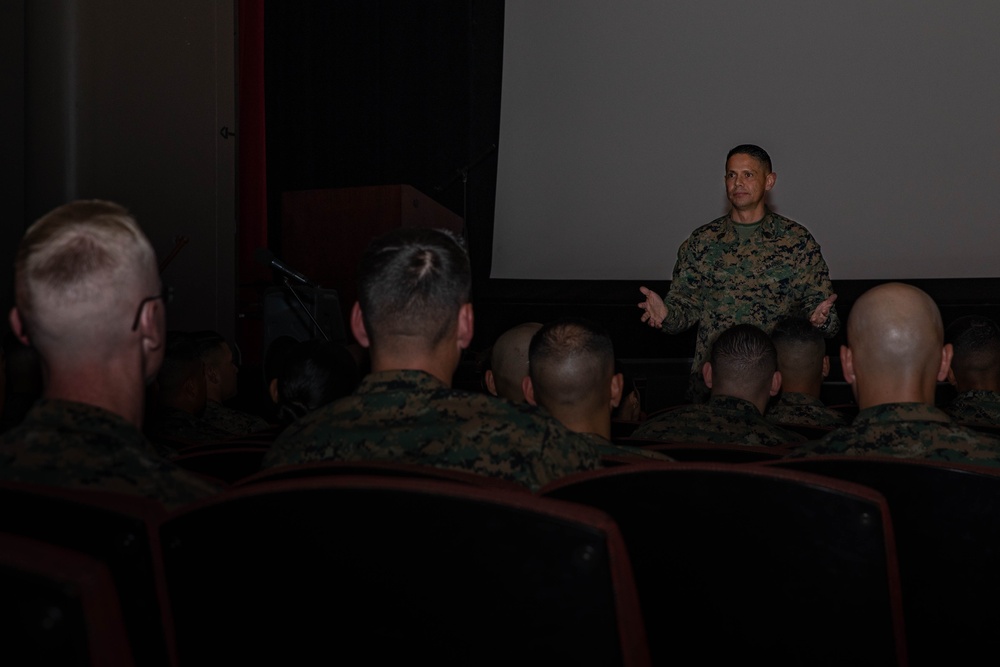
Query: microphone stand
[(291, 289), (463, 173)]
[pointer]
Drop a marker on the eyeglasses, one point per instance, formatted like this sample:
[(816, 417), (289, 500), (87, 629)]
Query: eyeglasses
[(167, 294)]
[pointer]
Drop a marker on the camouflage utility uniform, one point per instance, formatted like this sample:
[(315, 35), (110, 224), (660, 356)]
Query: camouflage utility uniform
[(977, 407), (234, 422), (803, 409), (720, 280), (173, 429), (67, 444), (723, 419), (907, 430), (412, 417)]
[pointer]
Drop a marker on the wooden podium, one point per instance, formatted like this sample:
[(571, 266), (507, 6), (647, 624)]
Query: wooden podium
[(325, 232)]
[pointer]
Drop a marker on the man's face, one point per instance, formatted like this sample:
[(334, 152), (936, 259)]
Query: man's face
[(747, 182)]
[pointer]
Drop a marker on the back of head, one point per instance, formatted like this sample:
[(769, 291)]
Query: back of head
[(509, 360), (976, 359), (571, 362), (801, 349), (411, 285), (314, 373), (81, 272), (220, 365), (895, 336), (743, 362)]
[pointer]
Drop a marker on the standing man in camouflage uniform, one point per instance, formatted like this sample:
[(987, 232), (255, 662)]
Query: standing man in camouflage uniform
[(894, 358), (414, 314), (742, 374), (90, 301), (975, 371), (750, 266)]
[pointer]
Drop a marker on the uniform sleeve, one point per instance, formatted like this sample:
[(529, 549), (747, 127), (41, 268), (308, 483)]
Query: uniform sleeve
[(684, 299), (815, 285)]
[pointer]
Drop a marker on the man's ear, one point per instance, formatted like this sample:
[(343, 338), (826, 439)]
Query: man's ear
[(17, 326), (272, 389), (775, 383), (617, 383), (491, 383), (951, 377), (847, 364), (706, 373), (769, 181), (212, 375), (825, 370), (946, 354), (466, 326), (358, 326), (150, 326), (528, 389)]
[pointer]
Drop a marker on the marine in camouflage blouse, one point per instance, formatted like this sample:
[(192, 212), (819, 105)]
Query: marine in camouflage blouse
[(412, 417)]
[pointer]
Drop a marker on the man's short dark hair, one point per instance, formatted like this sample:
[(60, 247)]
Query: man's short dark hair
[(743, 355), (798, 333), (756, 152), (412, 282), (976, 341), (568, 359)]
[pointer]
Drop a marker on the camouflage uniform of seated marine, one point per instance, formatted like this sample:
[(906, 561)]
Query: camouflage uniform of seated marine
[(233, 422), (411, 417), (67, 444), (723, 419), (804, 410), (605, 447), (907, 430), (976, 407)]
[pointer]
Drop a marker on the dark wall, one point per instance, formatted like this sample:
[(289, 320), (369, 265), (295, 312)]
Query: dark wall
[(12, 84)]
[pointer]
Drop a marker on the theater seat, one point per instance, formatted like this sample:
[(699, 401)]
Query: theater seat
[(746, 565), (366, 570)]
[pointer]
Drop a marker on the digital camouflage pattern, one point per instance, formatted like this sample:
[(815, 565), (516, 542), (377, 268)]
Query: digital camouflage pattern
[(722, 420), (605, 447), (977, 407), (412, 417), (67, 444), (233, 422), (804, 410), (720, 280), (907, 430)]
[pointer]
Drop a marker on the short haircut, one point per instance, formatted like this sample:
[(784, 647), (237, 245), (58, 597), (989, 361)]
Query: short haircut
[(81, 254), (412, 282), (181, 364), (210, 346), (801, 346), (569, 361), (314, 374), (976, 341), (756, 152), (743, 356)]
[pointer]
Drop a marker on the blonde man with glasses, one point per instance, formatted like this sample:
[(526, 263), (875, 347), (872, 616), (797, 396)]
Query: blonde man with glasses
[(89, 299)]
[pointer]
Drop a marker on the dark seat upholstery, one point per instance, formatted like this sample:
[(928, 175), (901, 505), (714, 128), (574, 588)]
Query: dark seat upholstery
[(947, 523), (58, 607), (742, 565), (114, 529), (365, 570), (227, 463)]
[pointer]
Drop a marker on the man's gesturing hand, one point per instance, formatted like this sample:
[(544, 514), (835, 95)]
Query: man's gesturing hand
[(822, 311), (654, 311)]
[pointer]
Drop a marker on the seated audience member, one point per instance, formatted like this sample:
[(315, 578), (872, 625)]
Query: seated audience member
[(742, 374), (975, 371), (571, 373), (894, 358), (509, 362), (221, 385), (181, 396), (803, 364), (414, 315), (314, 373), (89, 300)]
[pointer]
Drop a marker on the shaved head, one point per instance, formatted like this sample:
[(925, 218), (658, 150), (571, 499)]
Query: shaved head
[(509, 360), (895, 338)]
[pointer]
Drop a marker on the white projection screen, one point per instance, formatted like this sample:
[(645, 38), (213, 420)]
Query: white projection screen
[(882, 118)]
